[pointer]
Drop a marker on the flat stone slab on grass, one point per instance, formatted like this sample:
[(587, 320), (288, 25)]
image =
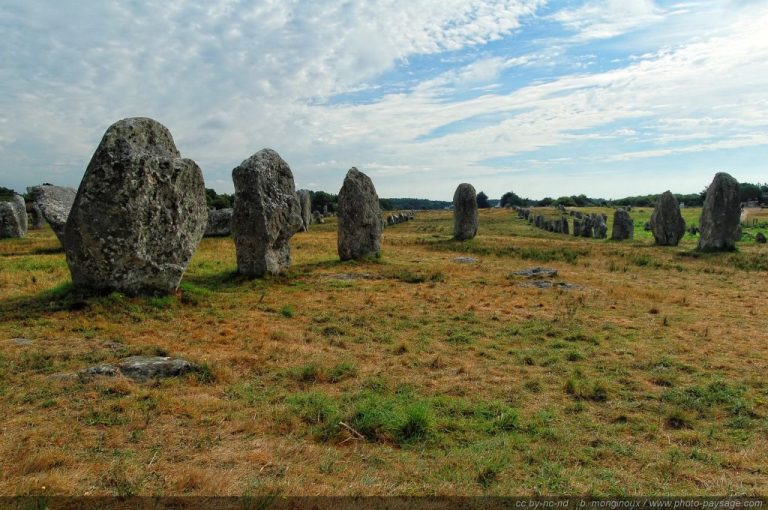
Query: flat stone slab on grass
[(141, 368), (466, 260), (536, 272), (21, 341), (543, 284)]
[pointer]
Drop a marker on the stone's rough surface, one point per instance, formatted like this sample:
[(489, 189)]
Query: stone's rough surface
[(667, 224), (141, 368), (34, 216), (219, 222), (536, 272), (623, 226), (305, 203), (153, 367), (359, 218), (267, 214), (139, 213), (719, 225), (466, 260), (599, 228), (465, 220), (55, 202), (13, 217), (317, 218)]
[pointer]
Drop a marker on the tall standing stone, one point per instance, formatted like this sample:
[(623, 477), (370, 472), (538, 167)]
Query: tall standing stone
[(35, 216), (55, 202), (360, 223), (266, 214), (623, 226), (465, 218), (13, 216), (139, 213), (305, 202), (720, 215), (667, 224)]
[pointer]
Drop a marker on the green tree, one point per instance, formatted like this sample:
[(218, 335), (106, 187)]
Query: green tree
[(509, 199), (482, 201)]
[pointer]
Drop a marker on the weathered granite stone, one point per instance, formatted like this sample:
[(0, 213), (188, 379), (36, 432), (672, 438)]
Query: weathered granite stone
[(536, 272), (586, 226), (667, 224), (623, 226), (219, 222), (266, 214), (55, 202), (153, 367), (305, 203), (139, 213), (359, 218), (317, 217), (35, 219), (760, 238), (599, 228), (719, 223), (577, 225), (13, 217), (465, 218), (141, 368)]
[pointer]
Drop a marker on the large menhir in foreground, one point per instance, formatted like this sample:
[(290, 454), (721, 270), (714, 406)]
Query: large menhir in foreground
[(139, 213)]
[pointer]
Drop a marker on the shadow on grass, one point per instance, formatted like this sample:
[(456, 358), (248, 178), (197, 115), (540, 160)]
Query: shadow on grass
[(63, 297)]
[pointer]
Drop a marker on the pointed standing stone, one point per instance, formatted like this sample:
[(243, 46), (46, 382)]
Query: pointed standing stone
[(719, 222), (266, 214), (667, 224), (360, 223), (305, 202)]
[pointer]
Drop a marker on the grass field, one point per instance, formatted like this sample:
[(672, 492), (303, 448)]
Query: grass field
[(413, 374)]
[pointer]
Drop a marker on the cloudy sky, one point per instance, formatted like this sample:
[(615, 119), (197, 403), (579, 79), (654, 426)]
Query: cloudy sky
[(546, 98)]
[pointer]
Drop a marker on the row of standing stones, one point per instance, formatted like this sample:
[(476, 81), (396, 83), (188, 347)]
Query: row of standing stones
[(140, 213), (719, 219)]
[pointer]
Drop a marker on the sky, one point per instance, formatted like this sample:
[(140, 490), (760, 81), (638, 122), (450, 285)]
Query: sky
[(609, 98)]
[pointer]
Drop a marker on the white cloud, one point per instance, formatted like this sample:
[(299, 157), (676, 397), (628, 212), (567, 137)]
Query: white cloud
[(229, 78), (602, 19)]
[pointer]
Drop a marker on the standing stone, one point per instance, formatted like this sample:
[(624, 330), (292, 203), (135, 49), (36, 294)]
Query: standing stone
[(564, 226), (465, 213), (719, 223), (305, 202), (35, 217), (599, 228), (667, 224), (55, 202), (219, 222), (623, 226), (139, 213), (359, 224), (266, 214), (317, 217), (577, 223), (586, 226), (760, 238), (13, 216)]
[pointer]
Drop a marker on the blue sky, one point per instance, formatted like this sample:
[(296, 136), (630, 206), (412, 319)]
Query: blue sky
[(546, 98)]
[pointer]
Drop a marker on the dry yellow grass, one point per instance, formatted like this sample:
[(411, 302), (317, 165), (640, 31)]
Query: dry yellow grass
[(649, 378)]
